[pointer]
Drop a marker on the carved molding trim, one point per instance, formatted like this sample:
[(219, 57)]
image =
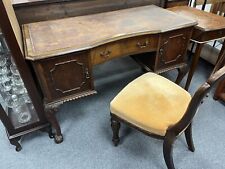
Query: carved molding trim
[(56, 104)]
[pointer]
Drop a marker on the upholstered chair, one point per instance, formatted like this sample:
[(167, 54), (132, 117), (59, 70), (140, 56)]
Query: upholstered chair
[(160, 108)]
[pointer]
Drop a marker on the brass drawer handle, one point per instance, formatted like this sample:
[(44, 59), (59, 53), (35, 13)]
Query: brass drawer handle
[(143, 44), (105, 54), (87, 73)]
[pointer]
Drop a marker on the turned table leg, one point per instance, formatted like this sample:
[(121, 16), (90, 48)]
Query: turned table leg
[(50, 115), (194, 64)]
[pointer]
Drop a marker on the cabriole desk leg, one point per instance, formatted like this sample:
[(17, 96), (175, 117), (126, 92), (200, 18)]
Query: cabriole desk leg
[(50, 115), (194, 64)]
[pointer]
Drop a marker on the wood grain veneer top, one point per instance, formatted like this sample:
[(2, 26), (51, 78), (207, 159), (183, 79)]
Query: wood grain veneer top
[(206, 21), (51, 38)]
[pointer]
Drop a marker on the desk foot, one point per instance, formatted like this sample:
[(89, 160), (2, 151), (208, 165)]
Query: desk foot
[(58, 139), (50, 115), (49, 131)]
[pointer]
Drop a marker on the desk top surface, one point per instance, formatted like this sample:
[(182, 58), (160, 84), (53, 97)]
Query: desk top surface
[(206, 21), (50, 38)]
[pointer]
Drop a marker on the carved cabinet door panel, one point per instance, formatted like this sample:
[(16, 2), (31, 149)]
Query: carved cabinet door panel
[(65, 77), (172, 49)]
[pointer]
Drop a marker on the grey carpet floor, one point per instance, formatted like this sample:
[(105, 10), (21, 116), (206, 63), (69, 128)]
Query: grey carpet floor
[(87, 133)]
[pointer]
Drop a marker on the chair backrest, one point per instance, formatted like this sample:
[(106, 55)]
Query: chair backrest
[(8, 8), (196, 100)]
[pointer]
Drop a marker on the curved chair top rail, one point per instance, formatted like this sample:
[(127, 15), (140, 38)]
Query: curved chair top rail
[(57, 37), (214, 78)]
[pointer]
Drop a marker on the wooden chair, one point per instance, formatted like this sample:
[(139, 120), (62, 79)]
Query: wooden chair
[(160, 108)]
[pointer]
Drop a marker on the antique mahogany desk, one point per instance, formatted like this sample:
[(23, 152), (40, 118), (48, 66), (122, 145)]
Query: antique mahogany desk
[(63, 52), (210, 27)]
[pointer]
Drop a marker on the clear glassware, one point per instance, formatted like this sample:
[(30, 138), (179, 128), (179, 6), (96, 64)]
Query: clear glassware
[(13, 69), (3, 60), (13, 101), (17, 79), (6, 86), (24, 115), (18, 89), (4, 78), (1, 49), (4, 70), (26, 98)]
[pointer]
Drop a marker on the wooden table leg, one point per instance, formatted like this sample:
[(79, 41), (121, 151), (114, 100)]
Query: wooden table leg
[(194, 63), (50, 115), (221, 51)]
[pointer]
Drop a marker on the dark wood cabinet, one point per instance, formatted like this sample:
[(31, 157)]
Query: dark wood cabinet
[(172, 50), (65, 77)]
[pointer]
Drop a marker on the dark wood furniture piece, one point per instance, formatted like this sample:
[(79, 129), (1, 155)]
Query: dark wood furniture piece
[(16, 128), (173, 3), (220, 90), (29, 11), (210, 27), (40, 10), (64, 67), (166, 117)]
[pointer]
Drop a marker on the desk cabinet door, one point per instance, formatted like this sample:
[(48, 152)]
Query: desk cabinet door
[(65, 77), (172, 49)]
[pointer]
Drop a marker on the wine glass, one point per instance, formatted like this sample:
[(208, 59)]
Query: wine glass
[(4, 78), (24, 115), (3, 60), (17, 79), (14, 70)]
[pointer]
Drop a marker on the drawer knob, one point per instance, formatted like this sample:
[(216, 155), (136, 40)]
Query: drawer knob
[(143, 44), (105, 54), (87, 73)]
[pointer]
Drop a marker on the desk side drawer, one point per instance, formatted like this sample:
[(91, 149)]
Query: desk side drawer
[(64, 77), (124, 47)]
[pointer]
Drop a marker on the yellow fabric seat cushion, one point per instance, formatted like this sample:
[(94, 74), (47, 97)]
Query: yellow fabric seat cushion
[(151, 102)]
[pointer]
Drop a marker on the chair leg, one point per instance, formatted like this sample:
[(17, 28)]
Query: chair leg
[(188, 136), (182, 71), (115, 128), (168, 150)]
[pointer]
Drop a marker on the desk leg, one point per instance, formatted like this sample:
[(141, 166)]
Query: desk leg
[(50, 115), (194, 63)]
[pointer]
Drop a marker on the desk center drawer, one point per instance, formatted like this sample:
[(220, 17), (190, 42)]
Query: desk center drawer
[(129, 46)]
